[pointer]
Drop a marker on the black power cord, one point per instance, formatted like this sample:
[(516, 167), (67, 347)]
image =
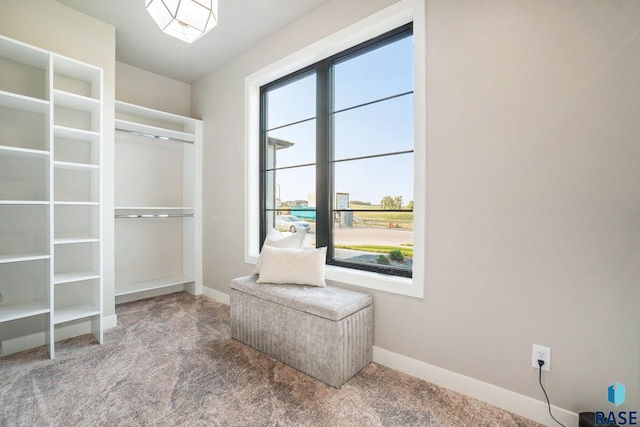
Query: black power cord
[(540, 363)]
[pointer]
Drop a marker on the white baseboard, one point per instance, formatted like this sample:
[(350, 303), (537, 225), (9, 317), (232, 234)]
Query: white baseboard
[(508, 400), (516, 403), (216, 295), (37, 339)]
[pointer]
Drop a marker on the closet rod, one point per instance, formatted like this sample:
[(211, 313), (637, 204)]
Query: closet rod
[(155, 216), (150, 135)]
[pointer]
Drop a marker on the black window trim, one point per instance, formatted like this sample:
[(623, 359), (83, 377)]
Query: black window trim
[(324, 115)]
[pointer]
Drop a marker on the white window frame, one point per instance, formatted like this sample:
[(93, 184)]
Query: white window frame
[(379, 23)]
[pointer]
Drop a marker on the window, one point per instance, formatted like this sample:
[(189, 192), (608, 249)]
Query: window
[(337, 155)]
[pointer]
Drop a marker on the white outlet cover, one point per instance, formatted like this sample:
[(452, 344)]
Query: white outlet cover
[(541, 352)]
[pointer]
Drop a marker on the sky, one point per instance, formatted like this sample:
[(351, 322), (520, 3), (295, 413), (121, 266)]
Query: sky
[(377, 128)]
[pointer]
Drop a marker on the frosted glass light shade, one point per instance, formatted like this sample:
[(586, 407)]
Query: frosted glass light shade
[(187, 20)]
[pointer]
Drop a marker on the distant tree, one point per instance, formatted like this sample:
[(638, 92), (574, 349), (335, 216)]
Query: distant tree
[(410, 205), (397, 201), (360, 203), (387, 202)]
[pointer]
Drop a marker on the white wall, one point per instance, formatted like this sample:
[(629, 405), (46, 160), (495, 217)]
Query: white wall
[(137, 86), (533, 190)]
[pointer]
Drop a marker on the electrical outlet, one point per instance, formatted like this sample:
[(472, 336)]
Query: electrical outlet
[(541, 353)]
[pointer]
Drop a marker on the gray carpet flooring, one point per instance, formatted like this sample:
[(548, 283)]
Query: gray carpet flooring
[(172, 362)]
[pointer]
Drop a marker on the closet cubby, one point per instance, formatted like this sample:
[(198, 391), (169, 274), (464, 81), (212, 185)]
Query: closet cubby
[(50, 195), (157, 201), (24, 231), (76, 300), (25, 70), (76, 183), (24, 176), (24, 290), (76, 223), (24, 131)]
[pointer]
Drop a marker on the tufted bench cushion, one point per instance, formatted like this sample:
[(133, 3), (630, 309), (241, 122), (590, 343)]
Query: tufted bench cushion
[(324, 332)]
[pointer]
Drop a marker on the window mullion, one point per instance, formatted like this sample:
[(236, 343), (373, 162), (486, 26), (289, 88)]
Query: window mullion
[(323, 157)]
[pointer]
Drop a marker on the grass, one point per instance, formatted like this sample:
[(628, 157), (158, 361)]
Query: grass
[(379, 249), (382, 219)]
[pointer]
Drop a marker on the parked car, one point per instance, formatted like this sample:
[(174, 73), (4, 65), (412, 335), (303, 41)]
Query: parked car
[(291, 223)]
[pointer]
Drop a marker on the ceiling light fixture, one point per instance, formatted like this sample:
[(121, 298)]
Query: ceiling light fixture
[(187, 20)]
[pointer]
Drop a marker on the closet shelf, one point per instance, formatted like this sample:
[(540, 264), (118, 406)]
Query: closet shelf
[(74, 276), (17, 51), (23, 103), (154, 208), (23, 152), (77, 134), (76, 102), (24, 202), (67, 314), (75, 166), (28, 256), (75, 203), (155, 132), (133, 288), (156, 216), (73, 240), (154, 212), (23, 310)]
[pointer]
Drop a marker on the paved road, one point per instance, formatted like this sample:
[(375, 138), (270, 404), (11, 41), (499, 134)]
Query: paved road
[(364, 235)]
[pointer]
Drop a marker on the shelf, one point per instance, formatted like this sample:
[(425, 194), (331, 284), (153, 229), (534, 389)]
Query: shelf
[(77, 134), (154, 212), (67, 314), (75, 203), (23, 310), (76, 102), (151, 114), (154, 131), (154, 208), (75, 276), (23, 53), (75, 166), (28, 256), (76, 70), (24, 202), (133, 288), (73, 240), (23, 103), (23, 152)]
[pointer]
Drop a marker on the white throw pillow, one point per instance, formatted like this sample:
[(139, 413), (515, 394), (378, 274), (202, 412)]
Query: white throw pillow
[(277, 239), (293, 266)]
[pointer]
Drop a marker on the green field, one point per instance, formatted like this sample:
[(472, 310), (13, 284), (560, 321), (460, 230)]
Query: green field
[(381, 219)]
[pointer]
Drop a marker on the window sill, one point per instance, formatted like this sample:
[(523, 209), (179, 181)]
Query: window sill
[(369, 280)]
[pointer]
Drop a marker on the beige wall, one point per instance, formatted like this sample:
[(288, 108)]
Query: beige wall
[(533, 190), (58, 28), (141, 87)]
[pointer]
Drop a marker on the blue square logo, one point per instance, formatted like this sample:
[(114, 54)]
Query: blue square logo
[(616, 394)]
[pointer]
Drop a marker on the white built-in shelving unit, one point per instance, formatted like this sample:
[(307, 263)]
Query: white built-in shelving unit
[(50, 194), (158, 208)]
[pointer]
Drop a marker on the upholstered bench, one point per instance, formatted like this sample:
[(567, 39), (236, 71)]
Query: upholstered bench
[(326, 333)]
